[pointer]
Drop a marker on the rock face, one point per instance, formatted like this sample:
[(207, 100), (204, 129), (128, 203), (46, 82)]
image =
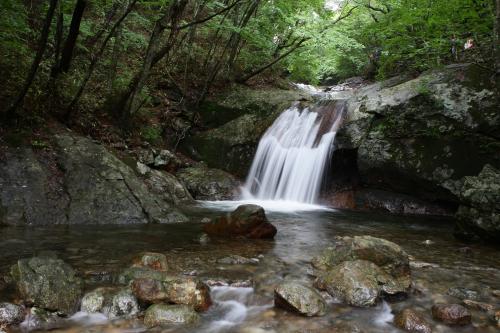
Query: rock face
[(163, 314), (479, 212), (48, 283), (209, 184), (299, 298), (167, 187), (246, 221), (237, 121), (10, 314), (412, 321), (451, 314), (80, 182), (361, 269), (421, 137)]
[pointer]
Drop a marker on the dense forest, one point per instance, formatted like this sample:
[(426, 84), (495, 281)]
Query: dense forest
[(80, 61)]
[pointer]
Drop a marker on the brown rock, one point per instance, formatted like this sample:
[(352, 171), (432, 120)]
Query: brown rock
[(149, 290), (485, 307), (451, 314), (412, 321), (152, 260), (246, 221)]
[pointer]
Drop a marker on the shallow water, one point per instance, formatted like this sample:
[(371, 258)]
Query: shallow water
[(98, 253)]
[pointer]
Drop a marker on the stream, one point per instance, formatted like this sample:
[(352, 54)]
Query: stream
[(243, 292)]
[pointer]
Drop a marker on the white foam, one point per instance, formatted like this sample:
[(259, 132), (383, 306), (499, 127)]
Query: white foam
[(268, 205)]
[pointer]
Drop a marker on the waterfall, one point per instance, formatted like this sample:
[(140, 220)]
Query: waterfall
[(293, 154)]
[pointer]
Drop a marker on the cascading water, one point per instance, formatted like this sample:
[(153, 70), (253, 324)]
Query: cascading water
[(293, 154)]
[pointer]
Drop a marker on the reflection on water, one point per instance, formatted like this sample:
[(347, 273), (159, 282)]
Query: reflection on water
[(99, 253)]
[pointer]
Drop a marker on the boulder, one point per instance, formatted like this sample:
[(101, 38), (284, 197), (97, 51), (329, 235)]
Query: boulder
[(167, 187), (246, 221), (48, 283), (43, 320), (412, 321), (479, 212), (177, 290), (357, 283), (451, 314), (299, 298), (209, 184), (163, 314), (11, 314), (390, 257)]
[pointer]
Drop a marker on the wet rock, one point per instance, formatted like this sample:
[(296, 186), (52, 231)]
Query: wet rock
[(168, 187), (142, 169), (463, 293), (496, 318), (451, 314), (485, 307), (152, 260), (496, 293), (299, 298), (246, 221), (132, 273), (480, 212), (209, 184), (10, 314), (112, 302), (390, 257), (412, 321), (40, 319), (177, 290), (47, 283), (164, 158), (358, 283), (163, 314)]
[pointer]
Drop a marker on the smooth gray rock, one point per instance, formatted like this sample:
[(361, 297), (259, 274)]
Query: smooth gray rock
[(163, 314), (299, 298), (10, 314)]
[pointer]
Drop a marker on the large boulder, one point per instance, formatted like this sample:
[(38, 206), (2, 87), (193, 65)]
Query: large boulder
[(48, 283), (246, 221), (451, 314), (388, 256), (479, 212), (74, 180), (299, 298), (209, 184), (421, 136), (237, 119)]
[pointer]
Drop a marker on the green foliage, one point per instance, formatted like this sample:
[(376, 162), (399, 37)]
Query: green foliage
[(151, 134)]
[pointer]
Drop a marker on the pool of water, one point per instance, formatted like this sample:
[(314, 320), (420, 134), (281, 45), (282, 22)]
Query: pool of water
[(99, 253)]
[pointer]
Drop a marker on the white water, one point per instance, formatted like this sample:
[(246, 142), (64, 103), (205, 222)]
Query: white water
[(293, 154)]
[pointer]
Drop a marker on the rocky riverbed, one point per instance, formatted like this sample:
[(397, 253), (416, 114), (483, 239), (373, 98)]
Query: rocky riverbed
[(325, 271)]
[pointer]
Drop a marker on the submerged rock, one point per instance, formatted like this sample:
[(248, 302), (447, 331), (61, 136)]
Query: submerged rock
[(451, 314), (152, 260), (412, 321), (247, 221), (209, 184), (299, 298), (390, 257), (463, 293), (40, 319), (10, 314), (48, 283), (163, 314), (480, 306)]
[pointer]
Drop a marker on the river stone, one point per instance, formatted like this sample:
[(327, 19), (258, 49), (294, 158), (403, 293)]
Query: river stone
[(412, 321), (124, 304), (167, 187), (152, 260), (163, 314), (387, 255), (358, 283), (451, 314), (42, 320), (209, 184), (48, 283), (480, 306), (177, 290), (246, 221), (463, 293), (10, 314), (132, 273), (299, 298), (112, 302)]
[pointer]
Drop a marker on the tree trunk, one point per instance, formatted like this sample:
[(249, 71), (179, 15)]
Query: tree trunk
[(74, 31), (42, 45), (58, 36), (496, 38)]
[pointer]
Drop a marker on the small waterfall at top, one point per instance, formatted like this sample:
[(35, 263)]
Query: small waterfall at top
[(293, 154)]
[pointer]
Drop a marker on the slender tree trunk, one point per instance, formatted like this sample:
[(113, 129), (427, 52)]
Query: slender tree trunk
[(42, 45), (74, 31), (496, 38), (58, 36)]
